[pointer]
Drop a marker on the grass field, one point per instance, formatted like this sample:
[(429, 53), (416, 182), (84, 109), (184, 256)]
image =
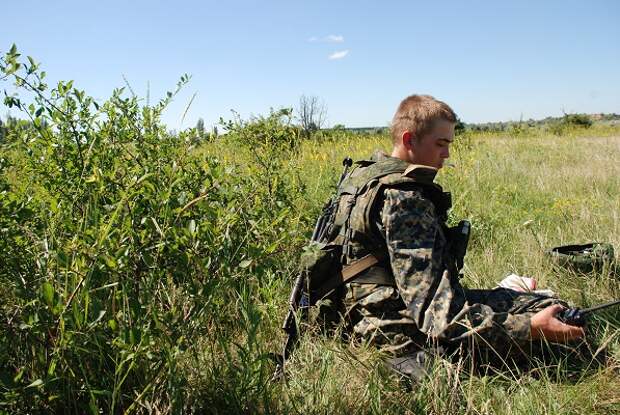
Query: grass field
[(148, 272), (568, 186)]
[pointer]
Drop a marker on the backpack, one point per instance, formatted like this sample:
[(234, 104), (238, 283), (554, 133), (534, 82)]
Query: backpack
[(584, 258), (327, 263)]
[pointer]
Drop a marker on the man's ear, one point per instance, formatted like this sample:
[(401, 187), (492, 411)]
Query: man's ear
[(407, 138)]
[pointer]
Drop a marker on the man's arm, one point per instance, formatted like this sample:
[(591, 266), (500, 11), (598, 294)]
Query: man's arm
[(435, 301)]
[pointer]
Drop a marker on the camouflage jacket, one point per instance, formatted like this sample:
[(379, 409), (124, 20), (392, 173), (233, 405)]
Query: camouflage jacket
[(425, 303)]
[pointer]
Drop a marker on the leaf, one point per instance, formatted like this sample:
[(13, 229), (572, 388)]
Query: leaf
[(91, 179), (34, 384), (19, 375), (47, 292), (112, 324), (13, 67), (110, 262), (245, 263), (52, 368), (272, 248), (101, 314), (148, 259)]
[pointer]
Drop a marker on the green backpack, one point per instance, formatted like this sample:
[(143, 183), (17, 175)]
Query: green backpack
[(584, 258), (327, 263)]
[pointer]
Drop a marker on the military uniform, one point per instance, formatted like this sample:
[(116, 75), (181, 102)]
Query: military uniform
[(418, 301)]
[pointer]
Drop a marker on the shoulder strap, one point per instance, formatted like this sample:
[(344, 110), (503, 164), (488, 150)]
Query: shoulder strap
[(393, 173)]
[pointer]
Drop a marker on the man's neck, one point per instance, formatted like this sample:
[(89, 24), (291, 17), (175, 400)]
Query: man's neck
[(399, 153)]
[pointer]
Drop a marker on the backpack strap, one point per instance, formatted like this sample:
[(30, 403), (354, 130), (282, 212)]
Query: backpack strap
[(358, 266), (348, 273), (378, 274)]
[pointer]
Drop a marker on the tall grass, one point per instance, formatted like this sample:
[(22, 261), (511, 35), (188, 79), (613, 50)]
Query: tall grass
[(147, 272)]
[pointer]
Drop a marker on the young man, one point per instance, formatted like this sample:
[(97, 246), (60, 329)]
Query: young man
[(412, 298)]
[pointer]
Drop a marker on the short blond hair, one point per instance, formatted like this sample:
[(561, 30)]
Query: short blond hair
[(417, 113)]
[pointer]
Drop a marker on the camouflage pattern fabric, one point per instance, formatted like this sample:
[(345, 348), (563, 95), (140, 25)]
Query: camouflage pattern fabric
[(428, 306)]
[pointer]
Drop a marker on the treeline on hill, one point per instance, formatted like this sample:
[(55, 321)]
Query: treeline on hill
[(555, 125)]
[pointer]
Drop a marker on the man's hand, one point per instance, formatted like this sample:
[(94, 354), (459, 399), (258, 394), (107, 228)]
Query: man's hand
[(544, 325)]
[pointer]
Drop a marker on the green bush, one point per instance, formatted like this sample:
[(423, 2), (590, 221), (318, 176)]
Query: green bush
[(577, 120), (570, 122), (123, 248)]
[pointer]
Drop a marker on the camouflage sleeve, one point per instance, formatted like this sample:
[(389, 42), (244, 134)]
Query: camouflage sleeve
[(434, 301)]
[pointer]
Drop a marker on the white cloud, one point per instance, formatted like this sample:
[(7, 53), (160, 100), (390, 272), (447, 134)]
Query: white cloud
[(327, 39), (334, 39), (338, 55)]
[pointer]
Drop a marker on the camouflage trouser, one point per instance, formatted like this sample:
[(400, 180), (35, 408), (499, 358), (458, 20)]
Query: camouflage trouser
[(382, 324), (377, 317), (414, 363)]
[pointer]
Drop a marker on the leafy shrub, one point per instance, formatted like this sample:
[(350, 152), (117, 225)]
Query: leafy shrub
[(578, 120), (570, 121), (123, 248)]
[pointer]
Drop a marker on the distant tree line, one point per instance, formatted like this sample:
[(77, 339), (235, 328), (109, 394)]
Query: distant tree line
[(310, 115), (576, 120)]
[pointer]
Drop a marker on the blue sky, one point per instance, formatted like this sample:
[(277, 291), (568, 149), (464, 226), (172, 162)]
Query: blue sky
[(489, 60)]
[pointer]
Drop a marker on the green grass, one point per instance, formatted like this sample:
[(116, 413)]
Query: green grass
[(568, 186)]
